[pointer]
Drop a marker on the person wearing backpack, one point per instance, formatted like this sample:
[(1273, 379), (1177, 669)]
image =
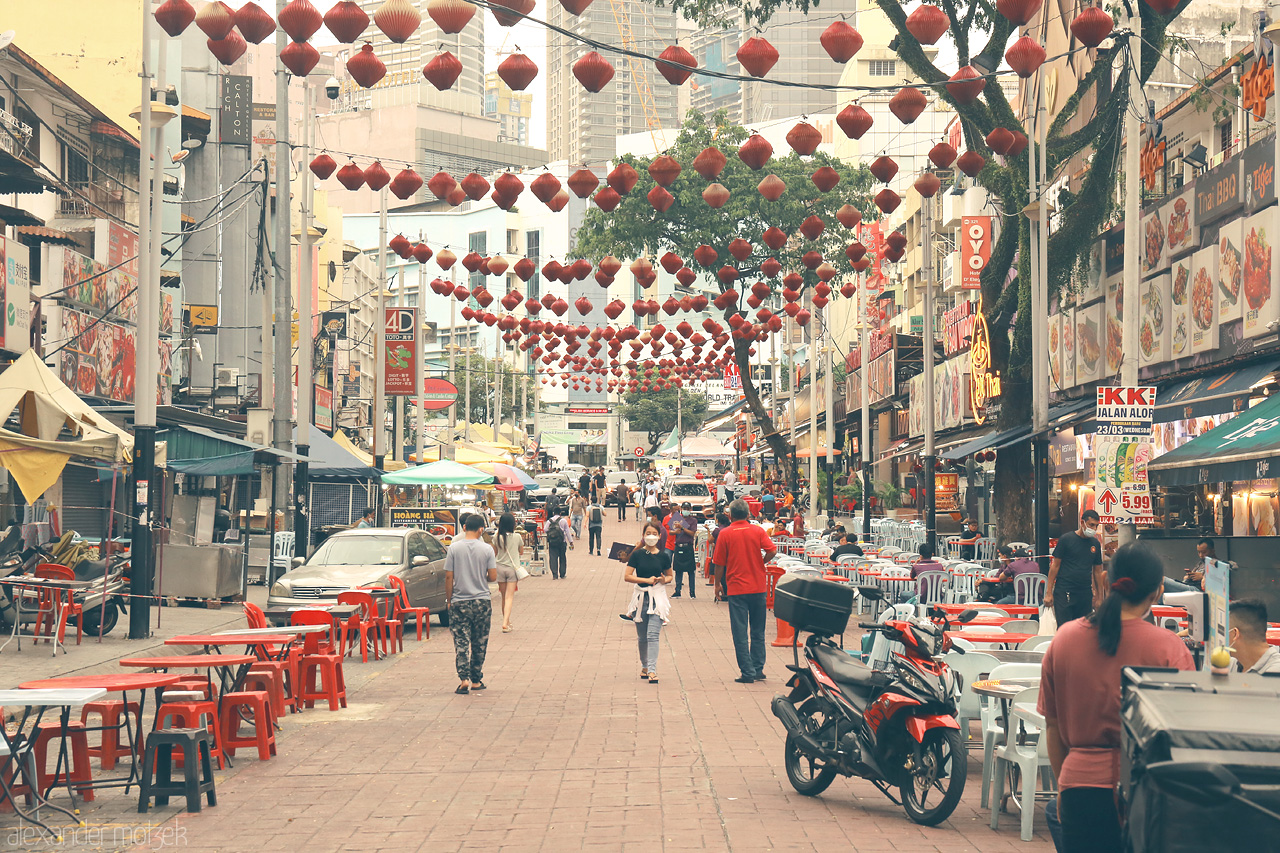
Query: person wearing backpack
[(623, 496), (559, 540), (595, 526)]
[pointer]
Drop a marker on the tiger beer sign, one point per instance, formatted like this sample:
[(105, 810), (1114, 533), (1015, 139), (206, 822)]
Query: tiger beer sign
[(975, 250)]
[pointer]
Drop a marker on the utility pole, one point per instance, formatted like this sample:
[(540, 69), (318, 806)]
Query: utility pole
[(466, 414), (306, 375), (680, 434), (421, 348), (814, 358), (1132, 203), (830, 397), (282, 367), (791, 402), (378, 418), (1039, 228), (928, 460), (453, 367), (865, 362)]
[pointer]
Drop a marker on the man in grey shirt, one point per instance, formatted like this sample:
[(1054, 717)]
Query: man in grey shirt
[(469, 567)]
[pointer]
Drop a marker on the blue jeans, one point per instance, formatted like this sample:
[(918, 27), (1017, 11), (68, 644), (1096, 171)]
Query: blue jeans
[(746, 621), (575, 521), (1171, 585), (647, 635)]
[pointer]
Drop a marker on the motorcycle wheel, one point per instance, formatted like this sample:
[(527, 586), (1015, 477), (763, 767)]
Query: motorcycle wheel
[(808, 776), (937, 776), (109, 622)]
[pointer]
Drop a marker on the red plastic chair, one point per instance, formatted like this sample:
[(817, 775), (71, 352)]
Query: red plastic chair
[(421, 614), (366, 622), (321, 661), (771, 576), (59, 602), (254, 615), (392, 624)]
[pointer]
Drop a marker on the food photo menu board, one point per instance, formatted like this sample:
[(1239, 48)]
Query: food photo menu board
[(1155, 255), (1088, 343), (1180, 232), (1055, 353), (1230, 270), (1180, 308), (1259, 302), (1153, 327), (1115, 324), (1202, 300)]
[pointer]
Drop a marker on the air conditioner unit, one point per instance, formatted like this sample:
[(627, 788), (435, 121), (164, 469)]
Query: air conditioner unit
[(227, 377)]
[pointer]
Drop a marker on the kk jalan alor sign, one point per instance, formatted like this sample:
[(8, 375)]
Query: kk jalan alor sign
[(985, 384)]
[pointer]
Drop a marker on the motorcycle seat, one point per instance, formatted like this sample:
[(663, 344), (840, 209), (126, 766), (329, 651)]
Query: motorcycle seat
[(844, 668)]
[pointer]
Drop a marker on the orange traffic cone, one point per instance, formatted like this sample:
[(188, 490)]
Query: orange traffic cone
[(786, 634)]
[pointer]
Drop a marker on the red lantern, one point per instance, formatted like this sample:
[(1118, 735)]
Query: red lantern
[(1019, 143), (687, 277), (755, 152), (580, 268), (405, 183), (583, 183), (999, 140), (727, 274), (854, 121), (705, 255), (451, 15), (216, 20), (575, 7), (558, 201), (517, 71), (607, 199), (583, 304), (498, 266), (474, 186), (825, 178), (811, 260), (229, 49), (401, 246), (609, 265), (854, 252), (593, 71), (443, 70), (772, 187), (422, 253), (757, 56), (254, 23), (300, 20), (802, 317), (884, 168), (942, 155), (896, 240), (441, 184), (664, 169), (709, 163), (322, 166), (544, 187), (715, 195), (775, 238), (471, 261), (375, 176), (888, 200), (966, 85), (299, 57), (849, 216), (174, 16), (661, 199), (812, 227), (445, 259), (623, 178), (740, 248), (907, 104), (398, 20), (1019, 11), (1091, 26), (509, 185), (927, 23), (804, 138), (928, 184), (523, 268), (770, 267), (676, 64), (971, 163), (519, 8), (365, 68), (671, 262), (347, 21), (351, 176), (840, 41), (1024, 56)]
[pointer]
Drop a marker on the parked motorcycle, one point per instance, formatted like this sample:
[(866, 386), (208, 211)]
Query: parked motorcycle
[(100, 602), (895, 727)]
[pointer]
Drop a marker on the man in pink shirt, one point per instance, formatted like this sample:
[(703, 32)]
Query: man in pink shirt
[(742, 549)]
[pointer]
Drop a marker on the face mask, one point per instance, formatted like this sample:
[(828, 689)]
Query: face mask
[(651, 540), (1090, 531)]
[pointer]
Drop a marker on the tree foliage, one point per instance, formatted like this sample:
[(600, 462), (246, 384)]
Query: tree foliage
[(654, 412), (484, 386), (636, 229)]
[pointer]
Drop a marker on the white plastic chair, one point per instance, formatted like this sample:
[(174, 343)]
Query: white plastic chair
[(1029, 588), (932, 587), (992, 723), (1031, 759), (1021, 626), (1038, 642), (963, 586), (881, 648), (969, 667), (282, 557)]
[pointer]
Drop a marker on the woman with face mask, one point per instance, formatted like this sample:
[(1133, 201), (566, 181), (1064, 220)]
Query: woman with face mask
[(649, 568)]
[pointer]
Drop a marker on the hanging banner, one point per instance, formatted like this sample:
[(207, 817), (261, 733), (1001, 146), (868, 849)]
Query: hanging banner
[(947, 491), (324, 408), (975, 250), (400, 371)]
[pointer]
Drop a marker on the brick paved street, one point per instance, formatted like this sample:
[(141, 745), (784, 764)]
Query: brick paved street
[(567, 750)]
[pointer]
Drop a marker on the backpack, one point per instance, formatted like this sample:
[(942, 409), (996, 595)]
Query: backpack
[(555, 536), (597, 517)]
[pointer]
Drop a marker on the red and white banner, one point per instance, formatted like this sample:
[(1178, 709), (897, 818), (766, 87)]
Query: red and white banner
[(400, 372)]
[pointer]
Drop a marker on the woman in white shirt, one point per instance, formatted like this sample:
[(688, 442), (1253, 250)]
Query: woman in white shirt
[(508, 545)]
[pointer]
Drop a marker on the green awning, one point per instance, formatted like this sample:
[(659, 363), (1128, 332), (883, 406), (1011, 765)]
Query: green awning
[(227, 465), (192, 444), (1246, 447)]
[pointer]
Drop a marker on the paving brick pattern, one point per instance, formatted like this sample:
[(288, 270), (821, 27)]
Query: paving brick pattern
[(567, 750)]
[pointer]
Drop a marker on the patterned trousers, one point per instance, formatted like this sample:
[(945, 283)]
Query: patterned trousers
[(469, 622)]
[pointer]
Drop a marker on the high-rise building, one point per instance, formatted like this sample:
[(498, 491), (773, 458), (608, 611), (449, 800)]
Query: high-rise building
[(511, 109), (404, 83), (581, 126), (801, 57)]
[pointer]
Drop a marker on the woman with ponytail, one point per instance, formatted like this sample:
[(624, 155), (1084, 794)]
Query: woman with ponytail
[(1080, 695)]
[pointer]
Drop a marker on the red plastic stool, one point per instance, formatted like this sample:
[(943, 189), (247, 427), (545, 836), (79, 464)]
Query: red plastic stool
[(80, 773), (270, 680), (191, 714), (328, 668), (110, 710), (192, 682), (264, 734)]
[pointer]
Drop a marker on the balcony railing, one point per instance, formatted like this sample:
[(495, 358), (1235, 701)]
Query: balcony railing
[(91, 198), (14, 134)]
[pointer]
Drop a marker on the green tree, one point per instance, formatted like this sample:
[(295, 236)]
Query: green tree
[(654, 412), (636, 229), (484, 385), (1086, 141)]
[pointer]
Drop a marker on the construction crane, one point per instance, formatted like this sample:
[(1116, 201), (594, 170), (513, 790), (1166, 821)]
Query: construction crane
[(639, 71)]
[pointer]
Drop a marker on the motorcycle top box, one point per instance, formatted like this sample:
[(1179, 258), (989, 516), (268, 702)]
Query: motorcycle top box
[(814, 605)]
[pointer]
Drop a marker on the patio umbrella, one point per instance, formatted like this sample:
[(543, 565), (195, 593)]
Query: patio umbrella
[(446, 472), (510, 479)]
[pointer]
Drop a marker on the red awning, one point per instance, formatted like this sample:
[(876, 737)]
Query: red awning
[(106, 128)]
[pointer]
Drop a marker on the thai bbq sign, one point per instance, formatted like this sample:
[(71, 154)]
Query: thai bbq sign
[(975, 250)]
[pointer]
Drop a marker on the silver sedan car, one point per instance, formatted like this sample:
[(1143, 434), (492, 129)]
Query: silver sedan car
[(353, 558)]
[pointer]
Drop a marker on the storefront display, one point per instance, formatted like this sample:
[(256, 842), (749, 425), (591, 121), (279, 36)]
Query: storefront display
[(1202, 302)]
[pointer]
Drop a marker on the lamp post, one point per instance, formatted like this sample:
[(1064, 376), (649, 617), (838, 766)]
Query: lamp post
[(306, 374), (282, 361), (928, 460)]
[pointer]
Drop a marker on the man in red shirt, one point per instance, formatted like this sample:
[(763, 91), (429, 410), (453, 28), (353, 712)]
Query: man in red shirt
[(742, 549)]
